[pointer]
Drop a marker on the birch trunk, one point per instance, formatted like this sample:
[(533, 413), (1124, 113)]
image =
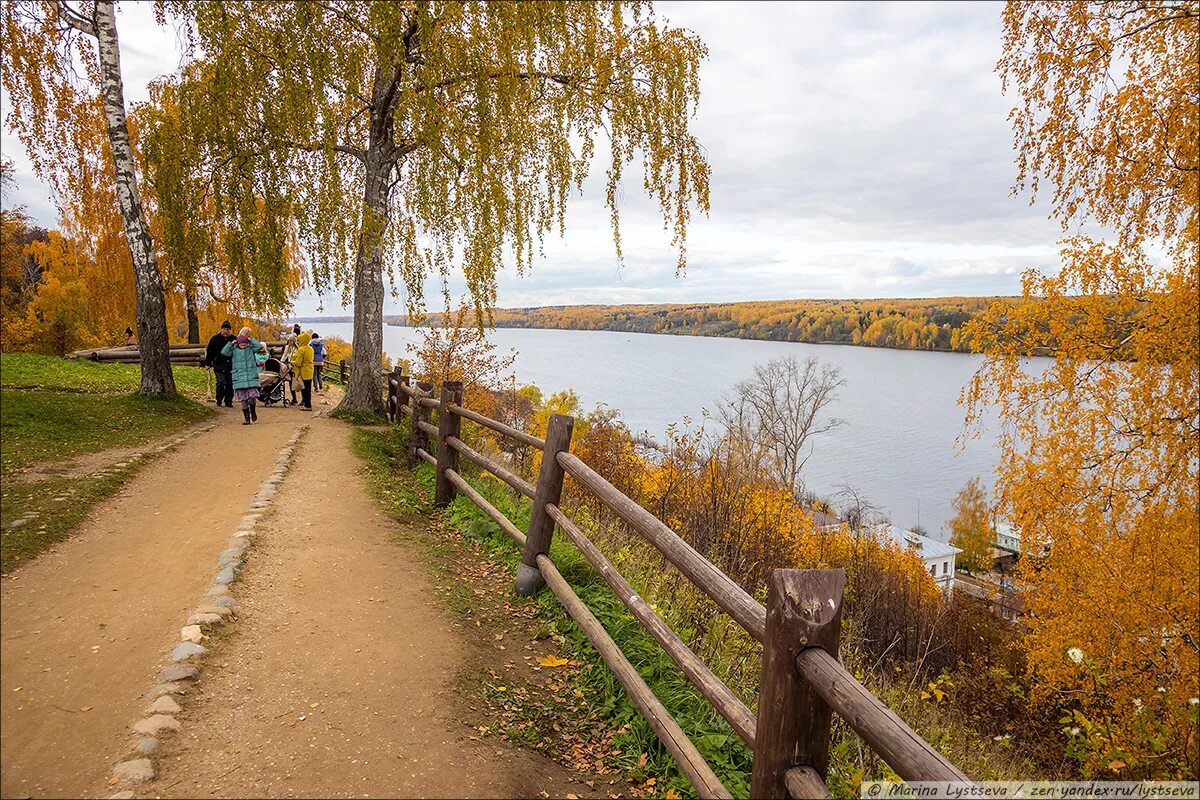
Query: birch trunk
[(153, 342), (364, 390)]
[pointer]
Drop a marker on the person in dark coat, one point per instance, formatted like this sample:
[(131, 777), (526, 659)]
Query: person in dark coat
[(222, 365)]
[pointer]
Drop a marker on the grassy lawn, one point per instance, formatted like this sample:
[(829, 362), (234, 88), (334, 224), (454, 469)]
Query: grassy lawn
[(48, 373), (52, 409)]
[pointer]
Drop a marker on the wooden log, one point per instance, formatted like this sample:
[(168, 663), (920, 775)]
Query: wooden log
[(428, 428), (804, 783), (500, 427), (487, 508), (428, 402), (727, 704), (413, 391), (804, 609), (907, 753), (418, 439), (426, 457), (690, 762), (447, 456), (720, 587), (342, 370), (548, 491), (485, 463)]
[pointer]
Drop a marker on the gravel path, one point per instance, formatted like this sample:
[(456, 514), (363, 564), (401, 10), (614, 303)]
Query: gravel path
[(335, 678), (87, 626), (338, 678)]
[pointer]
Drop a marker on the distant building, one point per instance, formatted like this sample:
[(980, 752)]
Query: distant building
[(1008, 538), (939, 557), (1006, 549)]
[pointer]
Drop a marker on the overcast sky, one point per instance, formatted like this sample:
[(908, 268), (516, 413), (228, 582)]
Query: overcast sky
[(857, 150)]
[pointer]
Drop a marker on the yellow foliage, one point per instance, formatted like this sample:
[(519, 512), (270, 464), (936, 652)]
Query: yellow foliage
[(1100, 453)]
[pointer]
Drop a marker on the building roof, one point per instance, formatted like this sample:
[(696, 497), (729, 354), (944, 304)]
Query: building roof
[(927, 548), (821, 519)]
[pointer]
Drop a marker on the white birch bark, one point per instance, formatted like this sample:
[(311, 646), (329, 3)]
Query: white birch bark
[(153, 342)]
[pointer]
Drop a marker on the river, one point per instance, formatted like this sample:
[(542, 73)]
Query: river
[(898, 446)]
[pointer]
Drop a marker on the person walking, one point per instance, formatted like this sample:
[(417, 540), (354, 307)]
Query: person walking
[(318, 347), (302, 363), (290, 343), (242, 353), (220, 364)]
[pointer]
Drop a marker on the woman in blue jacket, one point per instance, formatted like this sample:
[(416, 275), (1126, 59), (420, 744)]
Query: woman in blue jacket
[(241, 352)]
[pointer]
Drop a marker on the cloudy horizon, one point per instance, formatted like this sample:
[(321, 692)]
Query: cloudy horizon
[(857, 151)]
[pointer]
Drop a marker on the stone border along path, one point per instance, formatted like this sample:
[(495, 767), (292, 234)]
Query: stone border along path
[(176, 677)]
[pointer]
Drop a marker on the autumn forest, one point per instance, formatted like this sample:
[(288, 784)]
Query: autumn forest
[(931, 324)]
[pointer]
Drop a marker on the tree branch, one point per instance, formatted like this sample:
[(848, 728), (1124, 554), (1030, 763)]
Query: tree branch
[(76, 20)]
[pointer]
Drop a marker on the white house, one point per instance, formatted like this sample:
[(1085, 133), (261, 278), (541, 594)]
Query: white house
[(939, 557), (1008, 538)]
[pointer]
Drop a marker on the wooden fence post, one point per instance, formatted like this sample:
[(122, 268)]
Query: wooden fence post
[(394, 393), (549, 490), (447, 456), (342, 371), (418, 438), (804, 609), (403, 399)]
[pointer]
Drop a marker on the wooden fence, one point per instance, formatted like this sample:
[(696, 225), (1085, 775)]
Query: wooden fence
[(802, 683)]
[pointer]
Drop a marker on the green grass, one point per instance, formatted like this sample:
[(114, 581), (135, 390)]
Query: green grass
[(49, 373), (39, 426), (52, 409)]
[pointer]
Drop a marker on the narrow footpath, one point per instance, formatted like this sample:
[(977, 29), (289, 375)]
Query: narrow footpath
[(87, 626), (336, 678)]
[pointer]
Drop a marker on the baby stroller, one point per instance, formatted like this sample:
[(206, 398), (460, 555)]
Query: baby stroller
[(273, 382)]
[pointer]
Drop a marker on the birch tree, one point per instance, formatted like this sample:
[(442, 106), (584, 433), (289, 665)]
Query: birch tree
[(52, 103), (1100, 451), (424, 138)]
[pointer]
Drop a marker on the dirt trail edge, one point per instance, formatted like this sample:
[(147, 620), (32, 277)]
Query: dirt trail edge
[(87, 626), (338, 677)]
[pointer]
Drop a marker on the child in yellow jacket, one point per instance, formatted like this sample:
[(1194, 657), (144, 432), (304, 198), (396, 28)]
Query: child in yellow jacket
[(302, 362)]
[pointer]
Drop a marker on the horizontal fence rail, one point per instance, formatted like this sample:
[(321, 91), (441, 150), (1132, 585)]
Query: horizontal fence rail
[(802, 684)]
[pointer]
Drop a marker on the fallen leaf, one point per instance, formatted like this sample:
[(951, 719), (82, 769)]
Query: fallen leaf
[(19, 688), (313, 705), (642, 760), (1116, 765), (572, 796), (672, 794), (85, 708), (651, 781), (552, 661)]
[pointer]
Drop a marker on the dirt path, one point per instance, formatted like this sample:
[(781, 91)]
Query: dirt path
[(338, 681), (89, 623)]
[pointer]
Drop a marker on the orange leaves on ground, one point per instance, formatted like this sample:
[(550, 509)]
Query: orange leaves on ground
[(553, 661)]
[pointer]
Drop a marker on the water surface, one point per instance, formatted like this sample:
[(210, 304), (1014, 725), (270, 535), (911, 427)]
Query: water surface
[(897, 447)]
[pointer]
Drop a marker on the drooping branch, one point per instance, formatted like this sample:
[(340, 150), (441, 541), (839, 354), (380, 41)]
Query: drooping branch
[(76, 20)]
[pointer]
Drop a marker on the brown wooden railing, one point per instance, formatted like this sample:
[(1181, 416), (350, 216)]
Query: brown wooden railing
[(802, 683)]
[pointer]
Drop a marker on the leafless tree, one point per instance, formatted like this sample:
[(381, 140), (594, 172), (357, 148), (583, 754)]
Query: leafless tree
[(778, 410)]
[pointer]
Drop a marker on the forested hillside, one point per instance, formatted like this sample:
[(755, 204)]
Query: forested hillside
[(912, 324)]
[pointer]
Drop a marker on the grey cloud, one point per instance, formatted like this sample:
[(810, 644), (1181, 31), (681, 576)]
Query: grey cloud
[(857, 149)]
